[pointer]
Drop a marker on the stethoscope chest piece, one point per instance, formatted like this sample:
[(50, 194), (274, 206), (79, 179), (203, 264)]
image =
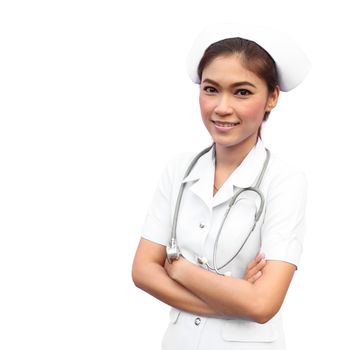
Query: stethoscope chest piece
[(172, 251)]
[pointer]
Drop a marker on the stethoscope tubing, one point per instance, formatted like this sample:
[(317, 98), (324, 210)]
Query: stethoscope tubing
[(256, 219), (173, 251)]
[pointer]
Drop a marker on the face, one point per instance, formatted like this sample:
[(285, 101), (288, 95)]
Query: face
[(233, 101)]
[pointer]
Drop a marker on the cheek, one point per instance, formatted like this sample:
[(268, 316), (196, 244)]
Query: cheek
[(206, 105), (253, 111)]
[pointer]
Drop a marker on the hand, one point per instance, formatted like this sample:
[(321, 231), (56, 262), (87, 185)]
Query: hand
[(176, 267), (168, 267), (171, 268), (254, 269)]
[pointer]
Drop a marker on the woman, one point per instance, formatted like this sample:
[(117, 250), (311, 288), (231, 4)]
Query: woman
[(218, 299)]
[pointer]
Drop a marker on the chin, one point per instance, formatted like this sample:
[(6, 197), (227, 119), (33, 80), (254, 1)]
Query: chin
[(235, 142)]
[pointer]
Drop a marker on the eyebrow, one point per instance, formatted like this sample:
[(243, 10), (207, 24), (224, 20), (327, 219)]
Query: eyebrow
[(234, 85)]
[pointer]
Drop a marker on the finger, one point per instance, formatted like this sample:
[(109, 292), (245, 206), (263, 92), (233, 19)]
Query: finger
[(251, 269), (255, 277), (256, 268), (166, 266), (251, 264), (259, 257)]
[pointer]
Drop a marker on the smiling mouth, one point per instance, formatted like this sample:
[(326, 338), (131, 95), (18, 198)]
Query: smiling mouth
[(225, 124)]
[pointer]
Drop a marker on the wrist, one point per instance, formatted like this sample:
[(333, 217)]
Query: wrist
[(183, 270), (176, 269)]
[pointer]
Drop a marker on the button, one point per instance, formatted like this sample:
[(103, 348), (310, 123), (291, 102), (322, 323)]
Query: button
[(201, 225), (197, 321)]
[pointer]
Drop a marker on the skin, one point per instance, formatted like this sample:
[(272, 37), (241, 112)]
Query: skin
[(151, 273), (233, 101), (231, 93)]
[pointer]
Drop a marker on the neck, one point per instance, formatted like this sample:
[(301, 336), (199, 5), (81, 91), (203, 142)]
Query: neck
[(230, 157)]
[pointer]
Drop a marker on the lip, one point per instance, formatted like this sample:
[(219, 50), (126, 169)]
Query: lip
[(225, 126)]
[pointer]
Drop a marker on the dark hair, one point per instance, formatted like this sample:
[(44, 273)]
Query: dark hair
[(254, 58)]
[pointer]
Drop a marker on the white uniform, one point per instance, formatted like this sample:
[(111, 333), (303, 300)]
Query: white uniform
[(279, 234)]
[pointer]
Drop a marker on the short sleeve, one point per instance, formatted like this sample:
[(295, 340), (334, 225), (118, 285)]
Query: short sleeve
[(283, 228), (157, 224)]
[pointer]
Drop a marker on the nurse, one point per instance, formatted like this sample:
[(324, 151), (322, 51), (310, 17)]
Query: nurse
[(240, 71)]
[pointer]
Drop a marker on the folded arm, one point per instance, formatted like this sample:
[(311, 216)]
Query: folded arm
[(236, 297), (149, 274)]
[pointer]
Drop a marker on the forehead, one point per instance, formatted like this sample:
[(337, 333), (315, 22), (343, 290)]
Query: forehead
[(230, 68)]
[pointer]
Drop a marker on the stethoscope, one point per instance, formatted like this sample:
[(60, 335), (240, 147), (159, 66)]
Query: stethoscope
[(173, 251)]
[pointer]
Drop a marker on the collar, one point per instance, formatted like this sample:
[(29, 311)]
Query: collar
[(245, 175)]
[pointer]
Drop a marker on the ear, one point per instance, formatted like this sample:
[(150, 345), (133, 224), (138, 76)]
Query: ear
[(273, 99)]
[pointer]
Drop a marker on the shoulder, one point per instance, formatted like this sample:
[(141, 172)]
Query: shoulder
[(176, 167), (180, 161), (282, 173)]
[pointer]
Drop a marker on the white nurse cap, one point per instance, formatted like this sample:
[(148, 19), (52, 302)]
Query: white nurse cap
[(291, 62)]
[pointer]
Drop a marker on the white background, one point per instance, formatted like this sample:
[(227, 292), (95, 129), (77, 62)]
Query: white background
[(94, 99)]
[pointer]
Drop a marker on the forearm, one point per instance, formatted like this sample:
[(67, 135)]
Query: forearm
[(153, 279), (228, 296), (234, 297)]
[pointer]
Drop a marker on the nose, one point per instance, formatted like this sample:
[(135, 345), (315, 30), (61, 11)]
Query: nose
[(223, 106)]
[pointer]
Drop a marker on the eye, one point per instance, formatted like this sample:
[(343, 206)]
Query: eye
[(243, 92), (209, 89)]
